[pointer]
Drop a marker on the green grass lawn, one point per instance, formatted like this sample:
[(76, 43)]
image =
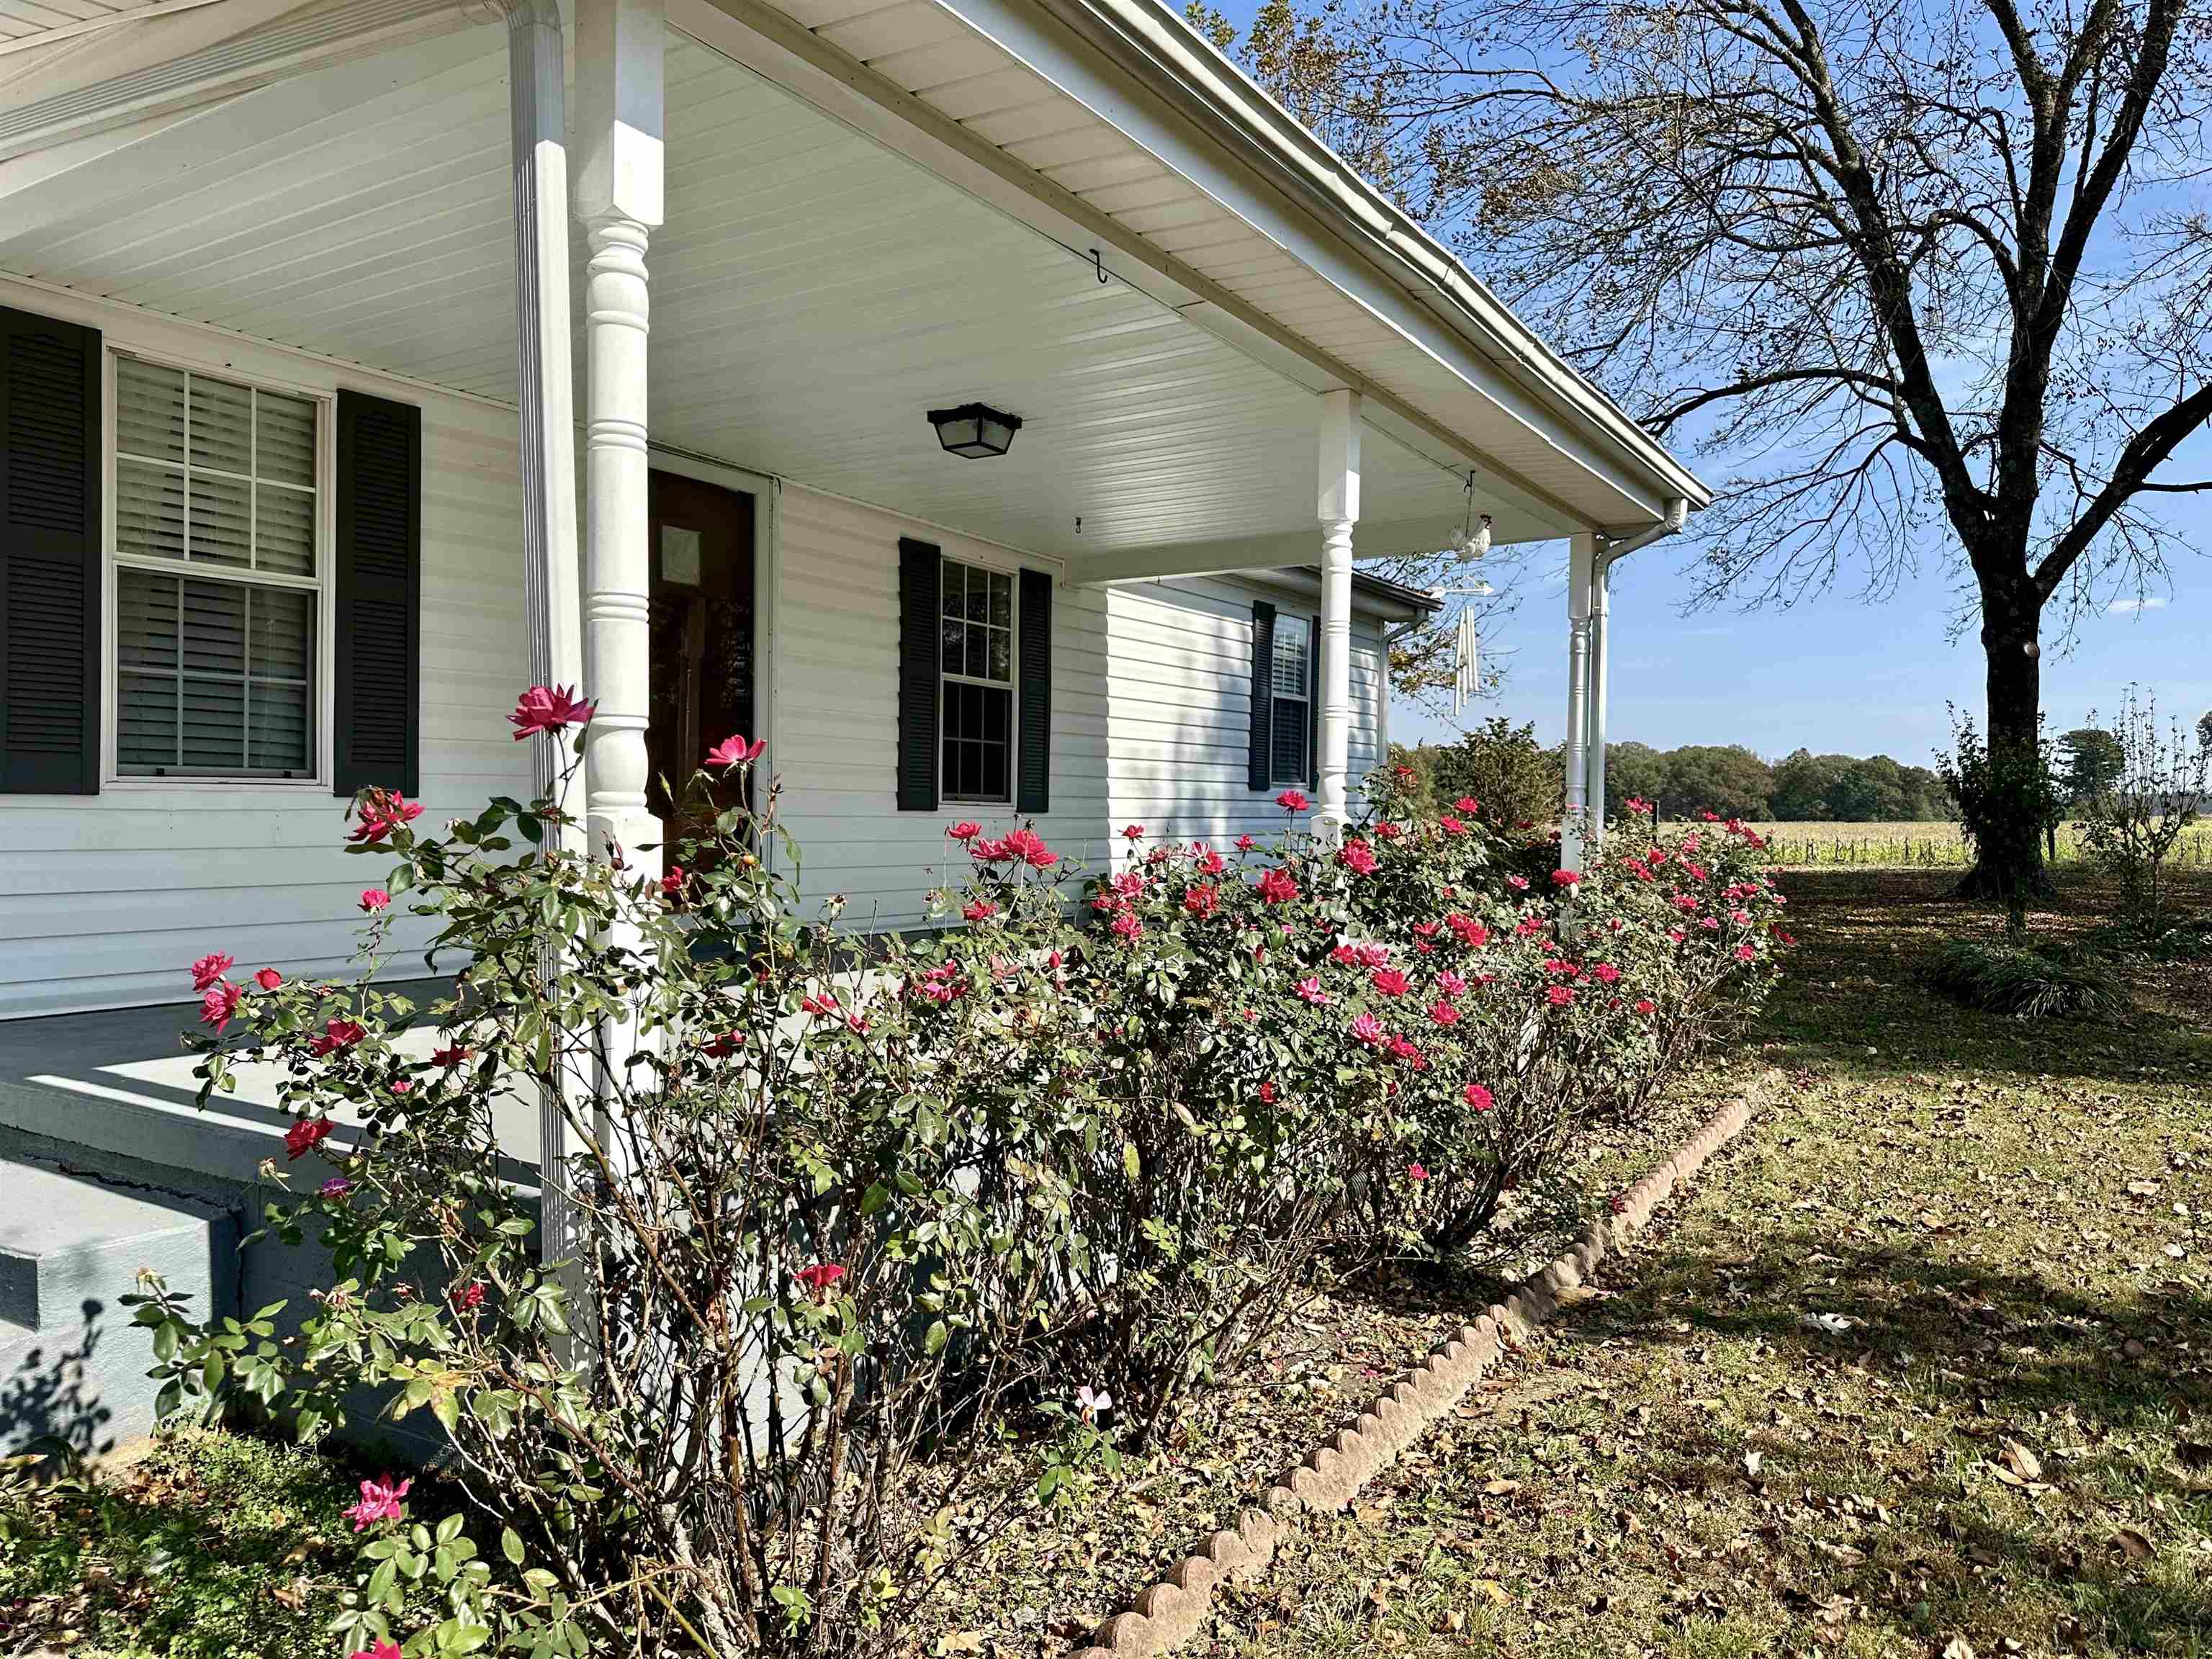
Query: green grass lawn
[(1923, 1367)]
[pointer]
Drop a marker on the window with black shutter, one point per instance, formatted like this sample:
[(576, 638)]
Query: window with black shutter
[(51, 557)]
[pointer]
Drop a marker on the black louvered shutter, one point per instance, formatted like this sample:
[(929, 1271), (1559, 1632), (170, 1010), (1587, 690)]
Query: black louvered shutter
[(1033, 778), (50, 556), (1262, 765), (379, 565), (922, 576), (1313, 710)]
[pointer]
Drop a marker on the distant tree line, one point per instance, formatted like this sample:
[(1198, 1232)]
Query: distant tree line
[(1505, 767)]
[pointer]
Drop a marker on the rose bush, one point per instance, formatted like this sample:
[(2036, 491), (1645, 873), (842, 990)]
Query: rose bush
[(829, 1218)]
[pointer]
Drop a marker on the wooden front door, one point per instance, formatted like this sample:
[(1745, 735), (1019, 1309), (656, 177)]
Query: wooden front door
[(702, 640)]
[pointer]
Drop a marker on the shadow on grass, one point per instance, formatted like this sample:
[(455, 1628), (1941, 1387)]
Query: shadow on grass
[(1855, 1001), (2090, 1386)]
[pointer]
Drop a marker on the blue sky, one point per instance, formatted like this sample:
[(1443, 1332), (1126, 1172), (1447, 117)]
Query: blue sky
[(1834, 674)]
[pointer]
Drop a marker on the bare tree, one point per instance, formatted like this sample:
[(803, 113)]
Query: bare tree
[(1933, 275)]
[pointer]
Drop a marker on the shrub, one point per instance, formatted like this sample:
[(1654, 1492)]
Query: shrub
[(2144, 799), (823, 1228), (812, 1225), (2028, 982)]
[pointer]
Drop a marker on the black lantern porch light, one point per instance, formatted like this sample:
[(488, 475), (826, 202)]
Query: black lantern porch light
[(974, 430)]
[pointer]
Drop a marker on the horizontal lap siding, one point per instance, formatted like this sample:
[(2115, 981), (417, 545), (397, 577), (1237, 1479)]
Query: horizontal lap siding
[(1179, 678), (1151, 689), (836, 716), (104, 900)]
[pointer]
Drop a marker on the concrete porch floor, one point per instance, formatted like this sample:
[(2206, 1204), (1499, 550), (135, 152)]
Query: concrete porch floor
[(118, 1085)]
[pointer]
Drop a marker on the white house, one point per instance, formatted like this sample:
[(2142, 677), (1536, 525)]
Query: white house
[(324, 326), (289, 439)]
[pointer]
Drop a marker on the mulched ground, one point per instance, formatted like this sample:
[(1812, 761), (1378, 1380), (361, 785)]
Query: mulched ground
[(1042, 1579)]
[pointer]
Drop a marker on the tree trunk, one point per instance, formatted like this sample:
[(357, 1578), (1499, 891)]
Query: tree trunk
[(2008, 862)]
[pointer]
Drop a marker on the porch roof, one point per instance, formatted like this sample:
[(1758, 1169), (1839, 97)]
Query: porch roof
[(873, 209)]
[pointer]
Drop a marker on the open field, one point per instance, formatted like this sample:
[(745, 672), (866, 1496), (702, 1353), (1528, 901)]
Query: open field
[(1930, 845), (1919, 1370)]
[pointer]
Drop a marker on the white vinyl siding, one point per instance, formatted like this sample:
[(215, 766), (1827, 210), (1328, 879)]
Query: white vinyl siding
[(104, 899), (1179, 684), (834, 731)]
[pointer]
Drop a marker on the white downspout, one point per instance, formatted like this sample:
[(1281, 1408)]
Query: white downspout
[(551, 578)]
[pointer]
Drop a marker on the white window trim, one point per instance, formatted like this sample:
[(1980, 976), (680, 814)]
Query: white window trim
[(1303, 699), (113, 778), (1010, 685)]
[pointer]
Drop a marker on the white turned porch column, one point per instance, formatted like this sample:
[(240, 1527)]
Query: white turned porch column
[(1582, 562), (1339, 511), (618, 200), (1601, 613)]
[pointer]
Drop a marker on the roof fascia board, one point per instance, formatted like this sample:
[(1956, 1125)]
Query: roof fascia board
[(1166, 42), (784, 52), (1050, 38)]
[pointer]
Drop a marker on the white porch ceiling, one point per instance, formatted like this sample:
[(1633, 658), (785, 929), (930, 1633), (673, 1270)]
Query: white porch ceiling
[(813, 295)]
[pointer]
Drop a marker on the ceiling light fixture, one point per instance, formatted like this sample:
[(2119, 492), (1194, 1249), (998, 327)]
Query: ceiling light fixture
[(974, 430)]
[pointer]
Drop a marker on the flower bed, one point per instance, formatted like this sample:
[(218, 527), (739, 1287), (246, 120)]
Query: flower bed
[(834, 1236)]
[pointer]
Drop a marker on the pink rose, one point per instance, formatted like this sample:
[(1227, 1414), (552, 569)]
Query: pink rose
[(735, 751), (220, 1003), (209, 968), (373, 899), (1367, 1028), (548, 708), (380, 1501), (304, 1136), (1277, 887), (1479, 1098), (1291, 800), (268, 979), (966, 829)]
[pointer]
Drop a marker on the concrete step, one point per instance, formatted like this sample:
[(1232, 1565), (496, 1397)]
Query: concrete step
[(71, 1364)]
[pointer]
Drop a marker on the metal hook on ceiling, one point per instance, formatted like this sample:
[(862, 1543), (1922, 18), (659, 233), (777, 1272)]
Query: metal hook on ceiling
[(1098, 264)]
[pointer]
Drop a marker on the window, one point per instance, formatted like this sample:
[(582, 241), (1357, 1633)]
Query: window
[(218, 577), (1291, 728), (975, 662)]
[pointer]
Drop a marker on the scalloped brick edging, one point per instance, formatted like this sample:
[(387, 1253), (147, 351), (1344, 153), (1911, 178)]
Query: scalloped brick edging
[(1170, 1612)]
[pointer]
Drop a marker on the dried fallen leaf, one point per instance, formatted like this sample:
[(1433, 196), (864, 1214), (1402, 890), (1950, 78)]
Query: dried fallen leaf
[(2133, 1544), (1751, 1462), (2022, 1462)]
